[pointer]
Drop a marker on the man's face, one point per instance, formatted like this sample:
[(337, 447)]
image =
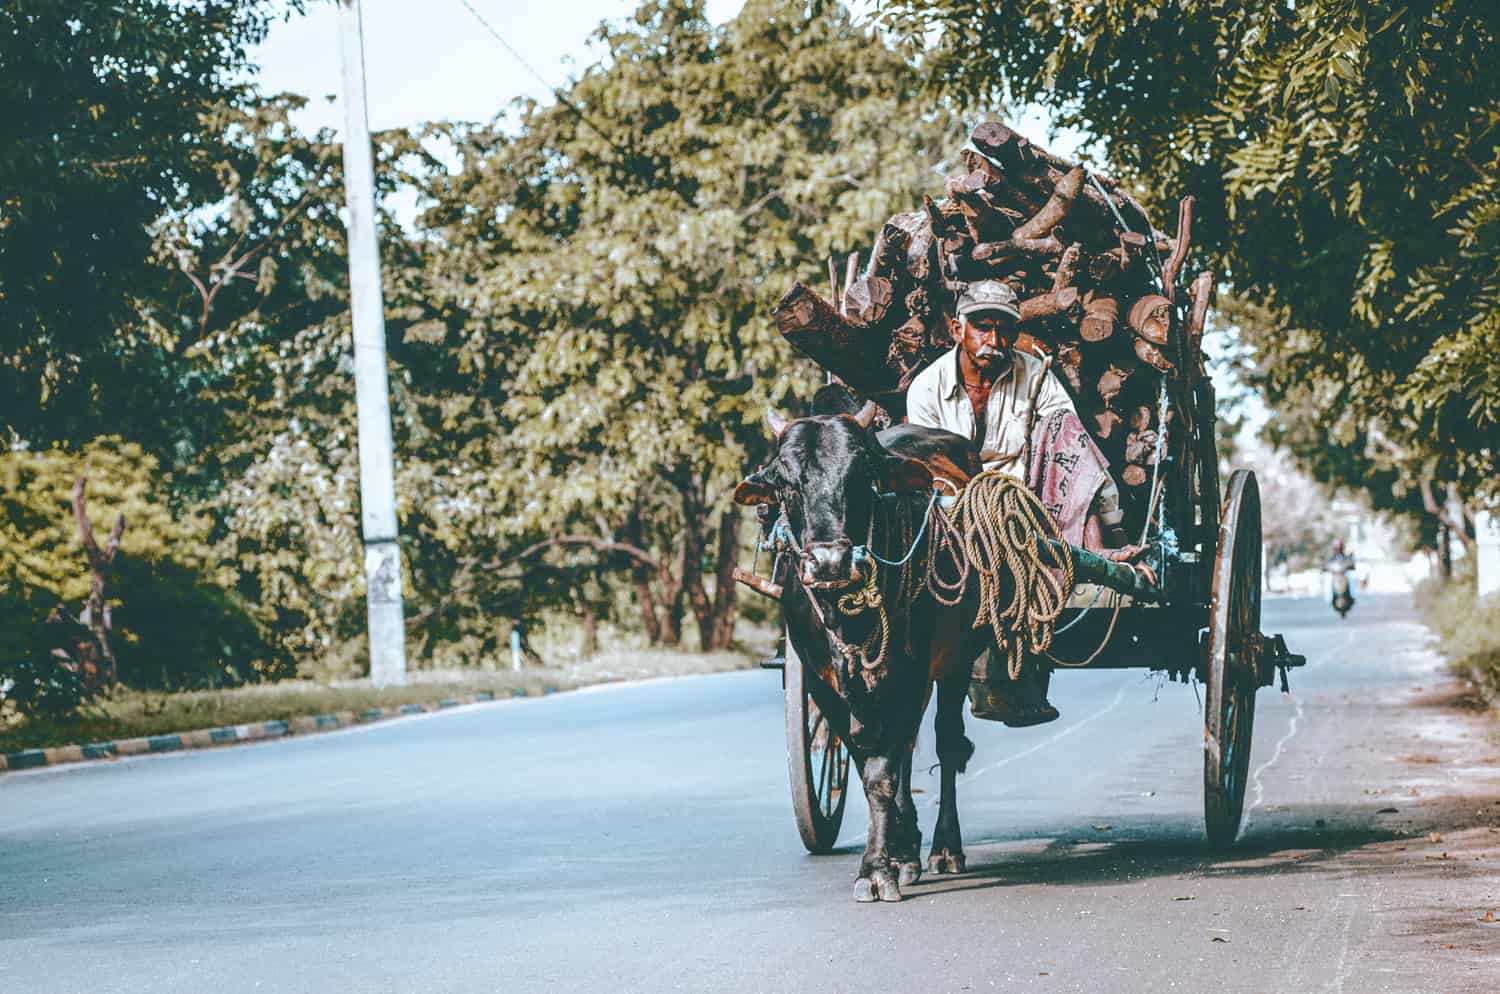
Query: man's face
[(986, 337)]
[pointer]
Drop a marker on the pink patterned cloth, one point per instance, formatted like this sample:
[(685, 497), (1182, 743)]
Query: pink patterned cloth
[(1067, 469)]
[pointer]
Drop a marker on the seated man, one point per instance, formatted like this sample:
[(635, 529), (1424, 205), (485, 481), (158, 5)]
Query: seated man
[(996, 397)]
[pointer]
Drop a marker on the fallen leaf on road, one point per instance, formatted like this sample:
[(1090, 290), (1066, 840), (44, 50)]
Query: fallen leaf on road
[(1103, 828), (1414, 792), (1489, 918), (1300, 907), (1434, 837), (1218, 938), (1439, 858), (1387, 811), (1184, 899)]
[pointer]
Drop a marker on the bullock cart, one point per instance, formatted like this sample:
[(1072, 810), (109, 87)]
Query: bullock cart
[(1105, 302), (1201, 621)]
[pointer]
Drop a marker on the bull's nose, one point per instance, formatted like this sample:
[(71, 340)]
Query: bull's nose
[(827, 562)]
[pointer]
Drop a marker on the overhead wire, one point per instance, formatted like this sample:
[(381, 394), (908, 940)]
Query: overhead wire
[(562, 98)]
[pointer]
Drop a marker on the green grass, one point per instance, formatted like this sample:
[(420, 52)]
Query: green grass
[(130, 714)]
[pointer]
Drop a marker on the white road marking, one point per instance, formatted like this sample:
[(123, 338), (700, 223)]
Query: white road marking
[(933, 799), (1057, 737), (1255, 778)]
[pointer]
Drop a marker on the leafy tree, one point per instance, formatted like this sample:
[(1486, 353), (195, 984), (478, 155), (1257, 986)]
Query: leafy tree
[(107, 112), (604, 279), (1346, 159), (171, 622)]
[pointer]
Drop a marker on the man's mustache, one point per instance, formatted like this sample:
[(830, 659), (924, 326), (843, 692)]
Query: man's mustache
[(985, 352)]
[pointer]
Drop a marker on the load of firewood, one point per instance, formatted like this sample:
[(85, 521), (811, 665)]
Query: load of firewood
[(1097, 285)]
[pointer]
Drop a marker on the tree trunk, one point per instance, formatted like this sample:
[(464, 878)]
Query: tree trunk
[(694, 525), (95, 614), (646, 598), (724, 585), (640, 576), (1445, 552), (1453, 523), (589, 646), (672, 599)]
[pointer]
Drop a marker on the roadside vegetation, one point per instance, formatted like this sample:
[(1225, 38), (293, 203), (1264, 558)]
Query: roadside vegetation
[(1467, 630), (578, 330), (124, 713)]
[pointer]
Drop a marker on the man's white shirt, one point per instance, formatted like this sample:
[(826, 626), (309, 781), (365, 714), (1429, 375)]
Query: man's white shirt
[(936, 399)]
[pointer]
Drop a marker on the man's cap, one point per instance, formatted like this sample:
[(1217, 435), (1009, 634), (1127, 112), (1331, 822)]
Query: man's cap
[(988, 295)]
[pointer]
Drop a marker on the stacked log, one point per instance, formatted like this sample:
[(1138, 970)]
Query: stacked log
[(1096, 284)]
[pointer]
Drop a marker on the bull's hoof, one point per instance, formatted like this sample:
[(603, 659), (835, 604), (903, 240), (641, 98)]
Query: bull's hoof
[(910, 873), (943, 861), (878, 886)]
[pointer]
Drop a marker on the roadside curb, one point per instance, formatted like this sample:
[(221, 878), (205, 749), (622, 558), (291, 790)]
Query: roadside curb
[(260, 731)]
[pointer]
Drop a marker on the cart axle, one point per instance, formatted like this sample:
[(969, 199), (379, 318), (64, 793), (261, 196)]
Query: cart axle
[(1270, 655)]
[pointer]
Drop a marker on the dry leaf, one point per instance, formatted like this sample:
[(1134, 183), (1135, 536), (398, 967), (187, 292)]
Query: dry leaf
[(1489, 918), (1438, 858), (1218, 938), (1434, 837), (1184, 898)]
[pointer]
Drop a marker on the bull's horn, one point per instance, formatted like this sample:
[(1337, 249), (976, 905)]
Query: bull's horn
[(775, 422), (866, 414)]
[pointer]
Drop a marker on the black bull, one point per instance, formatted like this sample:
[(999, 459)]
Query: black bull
[(825, 476)]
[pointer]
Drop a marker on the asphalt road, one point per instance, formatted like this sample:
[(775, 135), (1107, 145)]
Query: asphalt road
[(640, 839)]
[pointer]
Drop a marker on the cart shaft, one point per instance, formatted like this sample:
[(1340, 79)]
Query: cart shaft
[(1090, 567)]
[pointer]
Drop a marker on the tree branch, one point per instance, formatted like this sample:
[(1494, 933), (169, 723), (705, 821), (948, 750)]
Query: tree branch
[(1440, 512)]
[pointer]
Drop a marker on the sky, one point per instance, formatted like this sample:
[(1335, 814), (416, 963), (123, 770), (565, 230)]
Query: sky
[(434, 60), (437, 61)]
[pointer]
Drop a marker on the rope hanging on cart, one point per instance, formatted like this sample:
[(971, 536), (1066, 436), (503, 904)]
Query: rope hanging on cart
[(997, 530)]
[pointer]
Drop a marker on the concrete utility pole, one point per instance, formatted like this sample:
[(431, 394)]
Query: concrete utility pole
[(377, 483)]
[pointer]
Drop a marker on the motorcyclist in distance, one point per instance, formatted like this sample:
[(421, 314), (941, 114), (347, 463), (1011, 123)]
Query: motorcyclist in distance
[(1339, 566)]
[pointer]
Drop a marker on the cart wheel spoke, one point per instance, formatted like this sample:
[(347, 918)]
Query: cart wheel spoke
[(817, 761)]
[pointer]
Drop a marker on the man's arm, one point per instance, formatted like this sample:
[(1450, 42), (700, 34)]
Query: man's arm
[(1052, 397)]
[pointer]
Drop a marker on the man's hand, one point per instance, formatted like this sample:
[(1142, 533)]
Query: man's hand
[(1127, 553)]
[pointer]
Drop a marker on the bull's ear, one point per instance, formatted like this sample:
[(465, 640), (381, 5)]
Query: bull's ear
[(755, 489), (902, 475), (776, 422)]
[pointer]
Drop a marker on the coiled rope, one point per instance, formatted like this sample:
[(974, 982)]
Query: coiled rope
[(997, 530)]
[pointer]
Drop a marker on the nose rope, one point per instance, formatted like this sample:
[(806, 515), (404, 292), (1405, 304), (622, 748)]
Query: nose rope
[(871, 653)]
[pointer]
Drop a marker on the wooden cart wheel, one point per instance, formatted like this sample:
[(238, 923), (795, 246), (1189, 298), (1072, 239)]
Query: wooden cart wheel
[(817, 760), (1234, 618)]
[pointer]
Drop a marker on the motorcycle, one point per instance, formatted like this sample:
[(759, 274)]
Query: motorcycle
[(1343, 596)]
